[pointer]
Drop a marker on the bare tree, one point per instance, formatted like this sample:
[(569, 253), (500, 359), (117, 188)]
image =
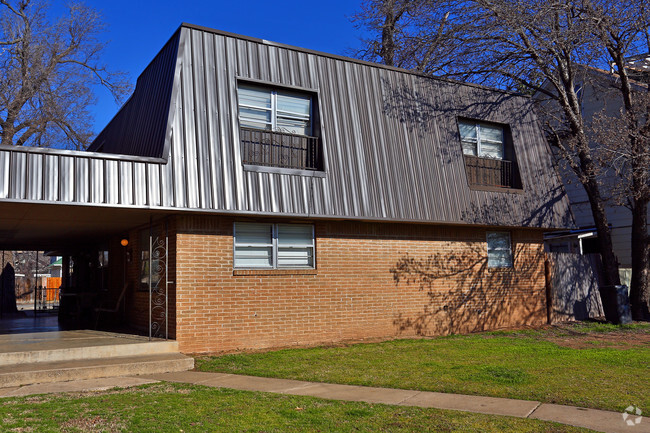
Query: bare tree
[(410, 34), (543, 47), (48, 67)]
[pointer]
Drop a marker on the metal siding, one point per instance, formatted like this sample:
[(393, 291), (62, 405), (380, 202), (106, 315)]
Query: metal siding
[(5, 171), (81, 180), (18, 178), (51, 178), (188, 127), (203, 149), (215, 182), (96, 178), (391, 151), (139, 127), (66, 179), (34, 177), (125, 182), (223, 114), (140, 184)]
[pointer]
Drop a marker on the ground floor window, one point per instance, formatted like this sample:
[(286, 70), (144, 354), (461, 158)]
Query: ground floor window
[(499, 250), (273, 246)]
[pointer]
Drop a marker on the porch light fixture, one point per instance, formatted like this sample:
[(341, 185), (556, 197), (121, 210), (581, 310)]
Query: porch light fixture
[(124, 242)]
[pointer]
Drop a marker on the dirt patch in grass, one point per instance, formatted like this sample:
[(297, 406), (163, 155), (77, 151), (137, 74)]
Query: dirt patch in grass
[(91, 424), (613, 340)]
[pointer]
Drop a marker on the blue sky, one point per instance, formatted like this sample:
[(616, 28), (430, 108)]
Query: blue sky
[(137, 30)]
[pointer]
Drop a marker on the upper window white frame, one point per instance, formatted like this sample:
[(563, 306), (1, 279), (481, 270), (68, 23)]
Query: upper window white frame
[(273, 109), (499, 250), (481, 139), (273, 246)]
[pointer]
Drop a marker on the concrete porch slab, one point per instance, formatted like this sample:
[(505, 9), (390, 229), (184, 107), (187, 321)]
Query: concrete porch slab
[(81, 344)]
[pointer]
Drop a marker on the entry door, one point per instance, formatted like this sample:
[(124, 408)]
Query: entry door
[(158, 281)]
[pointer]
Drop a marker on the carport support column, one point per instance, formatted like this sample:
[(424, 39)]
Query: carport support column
[(65, 281)]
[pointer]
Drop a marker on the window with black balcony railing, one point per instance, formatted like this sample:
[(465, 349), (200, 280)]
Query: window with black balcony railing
[(278, 149), (276, 128), (484, 151)]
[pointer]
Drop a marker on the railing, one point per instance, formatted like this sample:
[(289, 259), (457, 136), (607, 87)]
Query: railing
[(489, 172), (277, 149), (41, 299)]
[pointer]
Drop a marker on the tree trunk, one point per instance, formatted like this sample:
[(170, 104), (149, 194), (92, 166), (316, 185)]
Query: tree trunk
[(640, 283), (388, 35)]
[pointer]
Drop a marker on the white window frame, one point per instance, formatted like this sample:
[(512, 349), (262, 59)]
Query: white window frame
[(477, 126), (509, 249), (274, 107), (274, 246)]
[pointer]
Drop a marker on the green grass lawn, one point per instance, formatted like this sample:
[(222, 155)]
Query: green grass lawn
[(589, 365), (184, 408)]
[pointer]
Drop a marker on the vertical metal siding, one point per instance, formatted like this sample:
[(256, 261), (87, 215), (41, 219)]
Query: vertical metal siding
[(390, 141)]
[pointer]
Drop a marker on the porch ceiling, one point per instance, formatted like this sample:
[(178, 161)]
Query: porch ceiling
[(30, 226)]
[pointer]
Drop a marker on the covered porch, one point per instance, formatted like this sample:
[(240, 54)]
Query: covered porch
[(115, 268)]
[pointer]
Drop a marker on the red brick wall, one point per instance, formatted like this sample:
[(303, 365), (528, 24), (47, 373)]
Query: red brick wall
[(373, 280)]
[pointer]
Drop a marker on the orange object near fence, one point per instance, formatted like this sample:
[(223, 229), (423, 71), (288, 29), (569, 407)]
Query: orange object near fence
[(53, 282), (52, 292)]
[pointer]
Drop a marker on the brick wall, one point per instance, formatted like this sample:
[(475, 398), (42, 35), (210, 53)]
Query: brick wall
[(373, 280)]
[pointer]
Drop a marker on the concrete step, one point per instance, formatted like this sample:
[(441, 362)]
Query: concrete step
[(62, 371), (73, 345)]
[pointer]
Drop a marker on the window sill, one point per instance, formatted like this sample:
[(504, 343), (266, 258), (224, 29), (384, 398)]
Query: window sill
[(502, 269), (496, 189), (282, 170), (272, 272)]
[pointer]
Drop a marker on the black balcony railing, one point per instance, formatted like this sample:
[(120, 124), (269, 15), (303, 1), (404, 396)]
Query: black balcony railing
[(277, 149), (489, 172)]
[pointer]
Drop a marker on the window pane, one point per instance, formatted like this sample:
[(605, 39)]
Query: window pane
[(253, 257), (491, 150), (253, 234), (255, 97), (499, 259), (262, 116), (492, 133), (295, 235), (467, 130), (293, 126), (469, 148), (295, 257), (294, 104), (498, 241)]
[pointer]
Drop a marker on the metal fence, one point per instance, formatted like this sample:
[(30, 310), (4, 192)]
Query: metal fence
[(277, 149), (489, 172), (41, 299)]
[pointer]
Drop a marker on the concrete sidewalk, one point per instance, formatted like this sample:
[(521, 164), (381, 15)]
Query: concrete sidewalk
[(598, 420)]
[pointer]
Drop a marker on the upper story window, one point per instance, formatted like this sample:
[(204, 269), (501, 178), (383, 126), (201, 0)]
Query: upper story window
[(274, 246), (482, 140), (489, 155), (274, 110), (277, 128)]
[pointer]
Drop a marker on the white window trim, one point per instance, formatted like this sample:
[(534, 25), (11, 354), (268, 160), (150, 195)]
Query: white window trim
[(479, 140), (512, 259), (274, 247)]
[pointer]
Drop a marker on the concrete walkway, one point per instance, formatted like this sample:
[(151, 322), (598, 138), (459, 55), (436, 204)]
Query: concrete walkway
[(598, 420)]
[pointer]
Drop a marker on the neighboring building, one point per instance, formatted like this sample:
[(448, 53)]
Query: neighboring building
[(289, 197), (595, 88)]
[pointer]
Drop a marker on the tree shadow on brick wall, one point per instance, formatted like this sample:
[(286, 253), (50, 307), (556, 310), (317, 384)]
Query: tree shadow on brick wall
[(464, 295)]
